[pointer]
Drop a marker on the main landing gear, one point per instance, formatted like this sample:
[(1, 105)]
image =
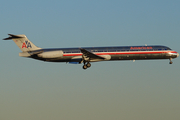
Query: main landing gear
[(170, 61), (86, 65)]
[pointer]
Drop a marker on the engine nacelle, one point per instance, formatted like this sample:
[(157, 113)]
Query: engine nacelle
[(51, 54)]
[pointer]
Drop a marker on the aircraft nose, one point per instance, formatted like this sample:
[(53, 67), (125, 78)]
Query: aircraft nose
[(174, 54)]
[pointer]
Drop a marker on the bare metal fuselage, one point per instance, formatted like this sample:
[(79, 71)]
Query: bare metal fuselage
[(75, 55), (91, 54)]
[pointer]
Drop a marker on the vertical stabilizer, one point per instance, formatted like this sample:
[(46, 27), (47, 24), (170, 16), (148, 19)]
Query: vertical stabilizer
[(22, 42)]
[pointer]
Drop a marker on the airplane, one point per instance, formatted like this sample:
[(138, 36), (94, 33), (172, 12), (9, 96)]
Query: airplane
[(91, 54)]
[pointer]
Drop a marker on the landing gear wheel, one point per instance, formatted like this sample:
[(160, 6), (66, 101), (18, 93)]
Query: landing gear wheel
[(170, 61), (85, 67), (88, 65)]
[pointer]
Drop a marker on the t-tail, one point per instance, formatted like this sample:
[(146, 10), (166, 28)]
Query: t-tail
[(22, 42)]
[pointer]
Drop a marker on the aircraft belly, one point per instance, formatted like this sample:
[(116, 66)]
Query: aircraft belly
[(60, 59)]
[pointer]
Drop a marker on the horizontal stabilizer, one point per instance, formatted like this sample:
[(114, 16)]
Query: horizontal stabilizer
[(11, 36)]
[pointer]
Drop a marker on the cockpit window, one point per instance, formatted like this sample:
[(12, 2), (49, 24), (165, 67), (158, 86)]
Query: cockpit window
[(168, 48)]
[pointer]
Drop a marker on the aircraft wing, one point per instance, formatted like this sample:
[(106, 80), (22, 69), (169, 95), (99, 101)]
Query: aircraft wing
[(90, 55)]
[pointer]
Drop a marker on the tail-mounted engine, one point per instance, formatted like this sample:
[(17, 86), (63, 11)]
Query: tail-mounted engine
[(51, 54)]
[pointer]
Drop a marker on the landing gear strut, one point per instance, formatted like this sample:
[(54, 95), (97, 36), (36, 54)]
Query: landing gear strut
[(170, 61), (86, 65)]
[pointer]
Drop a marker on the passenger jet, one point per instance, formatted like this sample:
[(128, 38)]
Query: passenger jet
[(86, 55)]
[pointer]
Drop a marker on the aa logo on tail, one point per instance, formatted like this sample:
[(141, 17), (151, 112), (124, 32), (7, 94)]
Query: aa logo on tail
[(26, 44)]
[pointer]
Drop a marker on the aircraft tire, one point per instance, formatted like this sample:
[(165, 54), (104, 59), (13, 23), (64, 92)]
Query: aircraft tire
[(85, 67), (88, 65)]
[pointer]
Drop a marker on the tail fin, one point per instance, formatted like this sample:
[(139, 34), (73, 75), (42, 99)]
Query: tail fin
[(22, 42)]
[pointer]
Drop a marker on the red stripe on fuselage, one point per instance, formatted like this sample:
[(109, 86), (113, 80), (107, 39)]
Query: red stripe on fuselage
[(121, 53)]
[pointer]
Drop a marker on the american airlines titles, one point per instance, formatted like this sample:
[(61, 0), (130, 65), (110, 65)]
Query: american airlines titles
[(141, 48)]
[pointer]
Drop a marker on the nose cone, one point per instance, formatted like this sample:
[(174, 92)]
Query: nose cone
[(173, 54)]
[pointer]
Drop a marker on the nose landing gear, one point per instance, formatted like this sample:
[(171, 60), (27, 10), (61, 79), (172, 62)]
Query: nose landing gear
[(170, 61)]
